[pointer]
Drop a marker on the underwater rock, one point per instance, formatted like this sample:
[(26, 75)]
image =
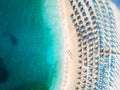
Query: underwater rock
[(13, 40), (3, 72)]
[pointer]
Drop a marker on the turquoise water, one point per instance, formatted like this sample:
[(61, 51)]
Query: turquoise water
[(30, 44)]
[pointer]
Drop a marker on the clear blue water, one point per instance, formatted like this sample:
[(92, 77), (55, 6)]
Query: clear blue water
[(117, 3), (30, 44)]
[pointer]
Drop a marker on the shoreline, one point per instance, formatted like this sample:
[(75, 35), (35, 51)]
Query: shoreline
[(69, 63)]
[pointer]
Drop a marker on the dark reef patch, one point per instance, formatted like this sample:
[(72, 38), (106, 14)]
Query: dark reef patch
[(13, 40), (3, 72)]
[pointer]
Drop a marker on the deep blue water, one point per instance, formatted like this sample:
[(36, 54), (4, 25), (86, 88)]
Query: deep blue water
[(117, 3), (30, 44)]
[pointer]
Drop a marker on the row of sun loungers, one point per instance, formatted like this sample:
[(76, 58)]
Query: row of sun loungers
[(92, 54)]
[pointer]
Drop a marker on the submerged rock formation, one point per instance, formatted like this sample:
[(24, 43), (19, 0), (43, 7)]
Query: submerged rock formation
[(4, 74)]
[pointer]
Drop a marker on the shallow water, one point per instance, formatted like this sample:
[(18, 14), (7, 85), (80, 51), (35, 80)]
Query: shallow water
[(30, 43)]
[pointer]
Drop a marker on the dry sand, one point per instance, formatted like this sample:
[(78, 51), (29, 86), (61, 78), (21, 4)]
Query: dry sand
[(116, 13), (71, 49)]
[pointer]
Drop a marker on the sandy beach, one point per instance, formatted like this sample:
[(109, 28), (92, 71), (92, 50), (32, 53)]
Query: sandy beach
[(70, 48), (116, 13), (70, 61)]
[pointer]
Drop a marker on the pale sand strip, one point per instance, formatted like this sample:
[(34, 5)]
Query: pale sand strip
[(116, 13), (70, 48)]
